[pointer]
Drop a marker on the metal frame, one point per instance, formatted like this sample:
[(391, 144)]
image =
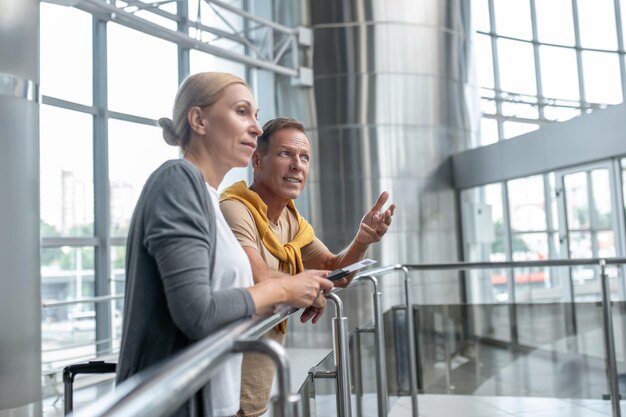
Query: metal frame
[(540, 101), (261, 54)]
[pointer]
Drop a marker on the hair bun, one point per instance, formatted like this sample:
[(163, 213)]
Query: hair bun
[(169, 134)]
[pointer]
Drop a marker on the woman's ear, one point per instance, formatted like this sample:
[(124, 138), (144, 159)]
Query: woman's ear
[(197, 121)]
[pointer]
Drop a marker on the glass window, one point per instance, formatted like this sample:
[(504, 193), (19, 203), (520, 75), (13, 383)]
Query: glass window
[(68, 331), (602, 198), (514, 129), (527, 204), (484, 60), (530, 247), (597, 24), (577, 204), (559, 74), (135, 151), (606, 244), (480, 15), (143, 73), (602, 77), (118, 279), (622, 6), (560, 114), (517, 67), (513, 18), (555, 22), (65, 53), (521, 110), (488, 131), (624, 182), (488, 106), (200, 62), (66, 169), (580, 245)]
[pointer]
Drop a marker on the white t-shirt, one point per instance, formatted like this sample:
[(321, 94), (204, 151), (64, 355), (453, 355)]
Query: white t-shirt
[(232, 270)]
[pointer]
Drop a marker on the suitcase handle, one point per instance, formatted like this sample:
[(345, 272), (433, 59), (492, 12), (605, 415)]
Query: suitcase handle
[(91, 367)]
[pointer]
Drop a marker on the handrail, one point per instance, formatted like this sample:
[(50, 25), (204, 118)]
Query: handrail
[(98, 299), (160, 390), (513, 264)]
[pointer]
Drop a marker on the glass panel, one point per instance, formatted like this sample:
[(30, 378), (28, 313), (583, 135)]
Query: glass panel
[(200, 62), (606, 244), (577, 203), (514, 129), (480, 15), (486, 286), (66, 169), (68, 331), (624, 183), (527, 204), (560, 114), (602, 198), (65, 53), (521, 110), (530, 247), (517, 67), (597, 24), (554, 211), (143, 83), (118, 279), (555, 23), (580, 245), (602, 77), (559, 73), (134, 152), (488, 106), (587, 284), (483, 59), (513, 18), (488, 131)]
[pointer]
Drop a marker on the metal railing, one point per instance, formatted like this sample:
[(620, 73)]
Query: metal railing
[(160, 391)]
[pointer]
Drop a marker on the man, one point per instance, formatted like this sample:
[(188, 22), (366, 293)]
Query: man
[(277, 240)]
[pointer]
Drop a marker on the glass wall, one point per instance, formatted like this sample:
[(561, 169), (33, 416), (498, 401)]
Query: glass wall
[(99, 142), (541, 61)]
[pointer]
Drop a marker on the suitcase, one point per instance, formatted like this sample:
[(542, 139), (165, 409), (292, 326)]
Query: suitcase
[(69, 372)]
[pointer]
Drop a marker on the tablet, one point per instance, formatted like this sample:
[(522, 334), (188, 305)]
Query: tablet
[(347, 270)]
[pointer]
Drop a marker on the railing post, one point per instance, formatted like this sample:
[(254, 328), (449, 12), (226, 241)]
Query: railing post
[(358, 375), (340, 344), (410, 334), (609, 342), (288, 402), (379, 336)]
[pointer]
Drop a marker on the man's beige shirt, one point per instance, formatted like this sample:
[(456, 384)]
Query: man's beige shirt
[(242, 224)]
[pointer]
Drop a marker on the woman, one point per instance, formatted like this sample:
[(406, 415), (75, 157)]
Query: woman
[(186, 273)]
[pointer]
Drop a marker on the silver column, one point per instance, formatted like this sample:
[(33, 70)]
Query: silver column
[(20, 299), (394, 98)]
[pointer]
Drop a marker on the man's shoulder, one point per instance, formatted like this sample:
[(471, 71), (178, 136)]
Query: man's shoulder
[(235, 212)]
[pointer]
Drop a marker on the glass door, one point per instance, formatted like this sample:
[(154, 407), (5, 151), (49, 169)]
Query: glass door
[(588, 224)]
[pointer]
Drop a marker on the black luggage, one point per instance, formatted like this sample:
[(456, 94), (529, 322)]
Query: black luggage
[(69, 372)]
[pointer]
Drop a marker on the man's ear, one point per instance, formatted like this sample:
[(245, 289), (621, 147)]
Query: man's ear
[(256, 159), (198, 123)]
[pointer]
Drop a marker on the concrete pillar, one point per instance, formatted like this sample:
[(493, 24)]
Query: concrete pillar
[(20, 298)]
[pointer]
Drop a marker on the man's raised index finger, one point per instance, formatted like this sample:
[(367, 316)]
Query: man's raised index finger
[(382, 199)]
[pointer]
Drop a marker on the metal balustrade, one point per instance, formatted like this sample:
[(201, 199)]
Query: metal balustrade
[(160, 391)]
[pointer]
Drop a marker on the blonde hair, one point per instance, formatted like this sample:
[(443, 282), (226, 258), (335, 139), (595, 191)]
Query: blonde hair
[(202, 89)]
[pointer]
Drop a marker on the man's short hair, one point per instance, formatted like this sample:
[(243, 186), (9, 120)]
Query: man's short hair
[(273, 126)]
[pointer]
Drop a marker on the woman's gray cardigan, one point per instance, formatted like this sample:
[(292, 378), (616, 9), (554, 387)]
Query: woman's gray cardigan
[(170, 256)]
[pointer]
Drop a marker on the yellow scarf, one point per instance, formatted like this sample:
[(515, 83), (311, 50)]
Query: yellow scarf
[(290, 254)]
